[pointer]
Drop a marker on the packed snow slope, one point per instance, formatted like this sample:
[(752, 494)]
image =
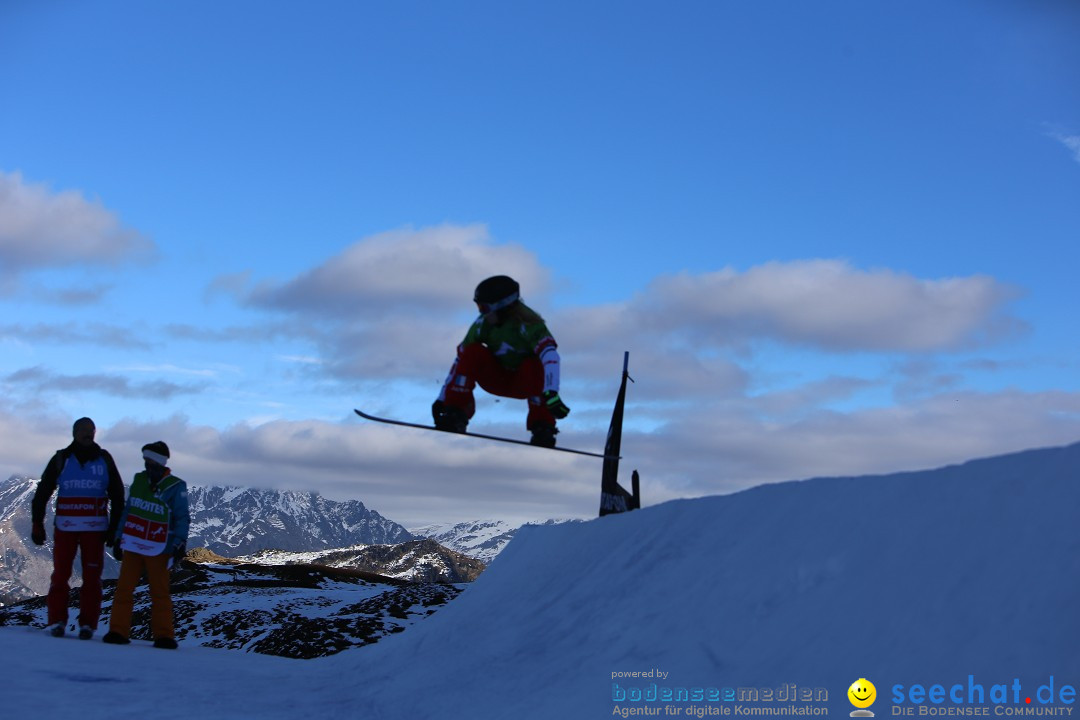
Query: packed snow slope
[(963, 576)]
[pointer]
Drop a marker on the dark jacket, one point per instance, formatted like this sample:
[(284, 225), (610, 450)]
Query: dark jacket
[(49, 478)]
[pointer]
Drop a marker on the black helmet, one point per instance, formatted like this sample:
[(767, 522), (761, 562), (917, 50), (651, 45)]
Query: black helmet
[(495, 293)]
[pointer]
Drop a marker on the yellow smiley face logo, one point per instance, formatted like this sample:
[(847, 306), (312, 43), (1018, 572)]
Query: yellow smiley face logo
[(862, 693)]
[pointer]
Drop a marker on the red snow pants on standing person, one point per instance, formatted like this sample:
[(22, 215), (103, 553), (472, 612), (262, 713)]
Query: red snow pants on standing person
[(476, 364), (91, 547)]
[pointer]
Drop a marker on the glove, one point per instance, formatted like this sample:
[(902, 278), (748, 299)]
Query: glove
[(555, 405), (117, 551), (179, 553), (37, 533)]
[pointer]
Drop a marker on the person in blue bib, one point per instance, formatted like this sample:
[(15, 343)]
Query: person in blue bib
[(89, 498), (152, 535)]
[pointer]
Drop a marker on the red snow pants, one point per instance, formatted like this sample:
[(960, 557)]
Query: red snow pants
[(477, 365), (91, 546)]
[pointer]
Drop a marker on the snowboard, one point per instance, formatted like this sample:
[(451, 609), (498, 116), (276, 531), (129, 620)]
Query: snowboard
[(420, 426)]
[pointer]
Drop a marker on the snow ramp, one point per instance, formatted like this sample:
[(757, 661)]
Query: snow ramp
[(965, 575)]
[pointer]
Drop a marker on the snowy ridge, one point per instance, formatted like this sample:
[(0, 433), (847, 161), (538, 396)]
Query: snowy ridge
[(482, 539), (24, 567), (966, 574), (415, 561), (17, 492), (284, 557), (240, 521)]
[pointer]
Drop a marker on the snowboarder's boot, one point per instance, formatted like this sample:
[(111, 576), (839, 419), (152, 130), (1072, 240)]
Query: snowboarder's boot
[(452, 419), (543, 434)]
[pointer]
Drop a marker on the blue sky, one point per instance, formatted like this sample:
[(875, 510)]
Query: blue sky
[(835, 237)]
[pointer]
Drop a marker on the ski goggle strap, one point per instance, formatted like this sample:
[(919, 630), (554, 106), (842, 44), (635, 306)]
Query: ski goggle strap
[(486, 308)]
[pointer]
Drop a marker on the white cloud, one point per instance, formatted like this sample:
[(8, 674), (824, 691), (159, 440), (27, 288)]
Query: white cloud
[(74, 333), (301, 359), (1071, 142), (403, 271), (395, 305), (40, 228), (170, 369), (829, 305), (43, 382)]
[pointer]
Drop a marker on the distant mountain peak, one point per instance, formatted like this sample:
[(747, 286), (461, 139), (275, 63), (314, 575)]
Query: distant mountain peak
[(480, 539), (236, 521)]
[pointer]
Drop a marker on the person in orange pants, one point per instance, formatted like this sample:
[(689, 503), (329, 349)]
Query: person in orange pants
[(157, 572), (153, 534)]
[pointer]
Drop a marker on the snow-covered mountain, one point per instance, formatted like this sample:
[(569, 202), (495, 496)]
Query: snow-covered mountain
[(965, 577), (415, 560), (236, 521), (482, 539), (24, 567)]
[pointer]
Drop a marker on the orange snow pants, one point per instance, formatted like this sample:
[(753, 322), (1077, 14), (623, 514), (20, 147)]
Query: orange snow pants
[(161, 608)]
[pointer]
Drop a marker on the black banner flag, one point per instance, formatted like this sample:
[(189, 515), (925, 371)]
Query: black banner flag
[(613, 497)]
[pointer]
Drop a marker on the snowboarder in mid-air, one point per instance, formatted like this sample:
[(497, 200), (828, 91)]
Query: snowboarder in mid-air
[(510, 352)]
